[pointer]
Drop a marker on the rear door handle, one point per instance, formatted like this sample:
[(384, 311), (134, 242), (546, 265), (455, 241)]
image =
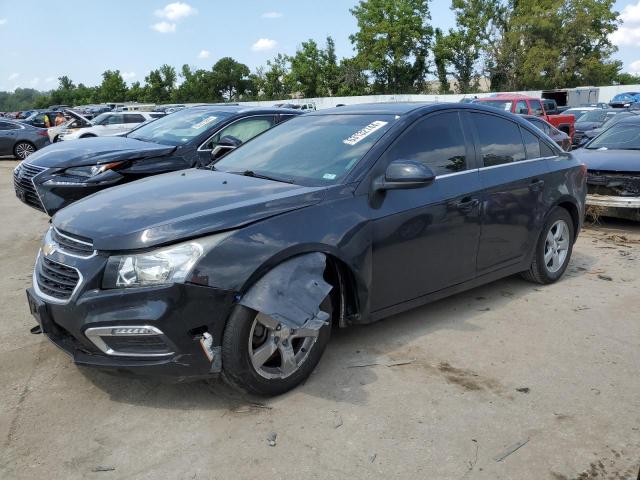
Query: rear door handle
[(536, 185)]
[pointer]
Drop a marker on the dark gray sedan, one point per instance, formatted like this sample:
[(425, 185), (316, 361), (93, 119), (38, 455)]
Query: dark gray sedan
[(21, 140)]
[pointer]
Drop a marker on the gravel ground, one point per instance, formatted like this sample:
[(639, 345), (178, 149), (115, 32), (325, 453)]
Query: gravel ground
[(440, 392)]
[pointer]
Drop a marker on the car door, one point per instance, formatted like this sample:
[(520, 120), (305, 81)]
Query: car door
[(243, 129), (112, 124), (426, 239), (7, 137), (512, 176), (131, 120)]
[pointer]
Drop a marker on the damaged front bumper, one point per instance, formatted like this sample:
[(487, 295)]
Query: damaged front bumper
[(615, 194), (168, 331)]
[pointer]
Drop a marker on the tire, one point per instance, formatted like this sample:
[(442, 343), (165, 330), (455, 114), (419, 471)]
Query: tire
[(56, 139), (556, 242), (89, 135), (23, 149), (238, 368)]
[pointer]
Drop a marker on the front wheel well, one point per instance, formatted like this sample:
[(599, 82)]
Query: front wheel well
[(340, 276)]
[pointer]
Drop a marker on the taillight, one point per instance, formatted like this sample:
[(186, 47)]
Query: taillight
[(43, 133)]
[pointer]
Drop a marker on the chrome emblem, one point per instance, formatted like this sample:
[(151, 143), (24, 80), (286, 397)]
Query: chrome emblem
[(48, 248)]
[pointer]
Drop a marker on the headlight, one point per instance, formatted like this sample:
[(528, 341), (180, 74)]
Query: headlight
[(163, 266), (92, 170)]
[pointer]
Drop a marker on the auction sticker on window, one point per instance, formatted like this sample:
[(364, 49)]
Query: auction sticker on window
[(364, 133), (204, 122)]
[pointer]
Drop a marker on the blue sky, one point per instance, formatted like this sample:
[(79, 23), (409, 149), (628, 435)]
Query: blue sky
[(80, 38)]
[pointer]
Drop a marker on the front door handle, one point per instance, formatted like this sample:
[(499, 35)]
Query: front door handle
[(467, 204), (536, 185)]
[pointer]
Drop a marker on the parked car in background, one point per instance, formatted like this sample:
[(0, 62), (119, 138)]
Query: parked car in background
[(109, 124), (625, 99), (577, 112), (592, 120), (21, 140), (337, 217), (523, 105), (550, 106), (613, 163), (193, 137), (73, 122), (561, 138), (597, 131)]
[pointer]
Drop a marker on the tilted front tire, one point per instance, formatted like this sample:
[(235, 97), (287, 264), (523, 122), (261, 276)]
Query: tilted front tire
[(264, 357), (553, 249)]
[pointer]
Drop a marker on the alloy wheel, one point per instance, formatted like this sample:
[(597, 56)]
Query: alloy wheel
[(23, 150), (556, 247), (276, 350)]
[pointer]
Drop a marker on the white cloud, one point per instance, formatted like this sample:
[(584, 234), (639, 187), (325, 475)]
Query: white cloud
[(204, 54), (631, 13), (3, 21), (13, 76), (634, 67), (264, 44), (49, 79), (272, 15), (176, 11), (626, 36), (128, 75), (164, 27)]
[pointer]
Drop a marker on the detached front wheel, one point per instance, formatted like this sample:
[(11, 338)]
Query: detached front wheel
[(265, 357)]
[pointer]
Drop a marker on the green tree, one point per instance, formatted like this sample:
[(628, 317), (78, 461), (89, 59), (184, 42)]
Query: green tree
[(441, 59), (113, 88), (276, 85), (330, 68), (306, 74), (352, 79), (625, 79), (160, 84), (230, 78), (136, 93), (392, 42)]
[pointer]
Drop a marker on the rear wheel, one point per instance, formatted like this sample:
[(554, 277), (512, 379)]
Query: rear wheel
[(23, 149), (261, 355), (553, 250)]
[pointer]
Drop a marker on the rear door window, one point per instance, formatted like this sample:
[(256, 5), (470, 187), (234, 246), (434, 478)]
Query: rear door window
[(531, 144), (135, 118), (437, 141), (521, 107), (244, 129), (536, 107), (500, 139)]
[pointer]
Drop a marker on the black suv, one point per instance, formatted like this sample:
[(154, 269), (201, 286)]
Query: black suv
[(67, 171), (342, 216)]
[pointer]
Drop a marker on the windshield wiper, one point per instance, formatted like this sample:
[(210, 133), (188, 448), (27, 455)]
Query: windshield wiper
[(251, 173)]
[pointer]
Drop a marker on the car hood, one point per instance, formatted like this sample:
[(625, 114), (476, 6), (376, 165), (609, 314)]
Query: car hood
[(179, 205), (92, 151), (609, 160), (77, 116), (584, 126)]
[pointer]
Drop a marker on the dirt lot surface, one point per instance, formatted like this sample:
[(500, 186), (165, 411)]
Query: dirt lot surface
[(441, 392)]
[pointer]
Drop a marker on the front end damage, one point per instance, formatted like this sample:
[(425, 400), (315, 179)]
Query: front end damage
[(614, 194)]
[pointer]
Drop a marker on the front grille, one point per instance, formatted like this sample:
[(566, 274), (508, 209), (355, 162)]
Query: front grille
[(23, 184), (72, 243), (56, 280), (614, 183)]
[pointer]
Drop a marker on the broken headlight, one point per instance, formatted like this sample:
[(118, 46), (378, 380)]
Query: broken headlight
[(92, 170), (157, 267)]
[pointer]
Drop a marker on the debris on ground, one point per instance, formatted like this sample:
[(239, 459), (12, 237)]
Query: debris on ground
[(510, 449), (271, 439), (337, 421), (605, 277), (523, 389), (394, 363), (372, 458), (251, 407), (101, 468)]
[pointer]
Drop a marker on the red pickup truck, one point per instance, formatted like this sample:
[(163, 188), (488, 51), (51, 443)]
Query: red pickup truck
[(523, 105)]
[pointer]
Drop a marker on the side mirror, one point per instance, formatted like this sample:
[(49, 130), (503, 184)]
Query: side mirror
[(224, 146), (405, 174)]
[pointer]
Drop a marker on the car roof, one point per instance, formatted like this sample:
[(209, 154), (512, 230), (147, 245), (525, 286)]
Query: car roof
[(632, 119), (383, 108), (242, 109)]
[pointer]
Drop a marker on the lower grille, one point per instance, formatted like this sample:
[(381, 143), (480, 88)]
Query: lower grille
[(141, 345), (23, 184), (56, 280)]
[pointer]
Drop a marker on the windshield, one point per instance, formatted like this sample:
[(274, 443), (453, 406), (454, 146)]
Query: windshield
[(618, 137), (313, 150), (594, 116), (499, 104), (101, 119), (180, 127)]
